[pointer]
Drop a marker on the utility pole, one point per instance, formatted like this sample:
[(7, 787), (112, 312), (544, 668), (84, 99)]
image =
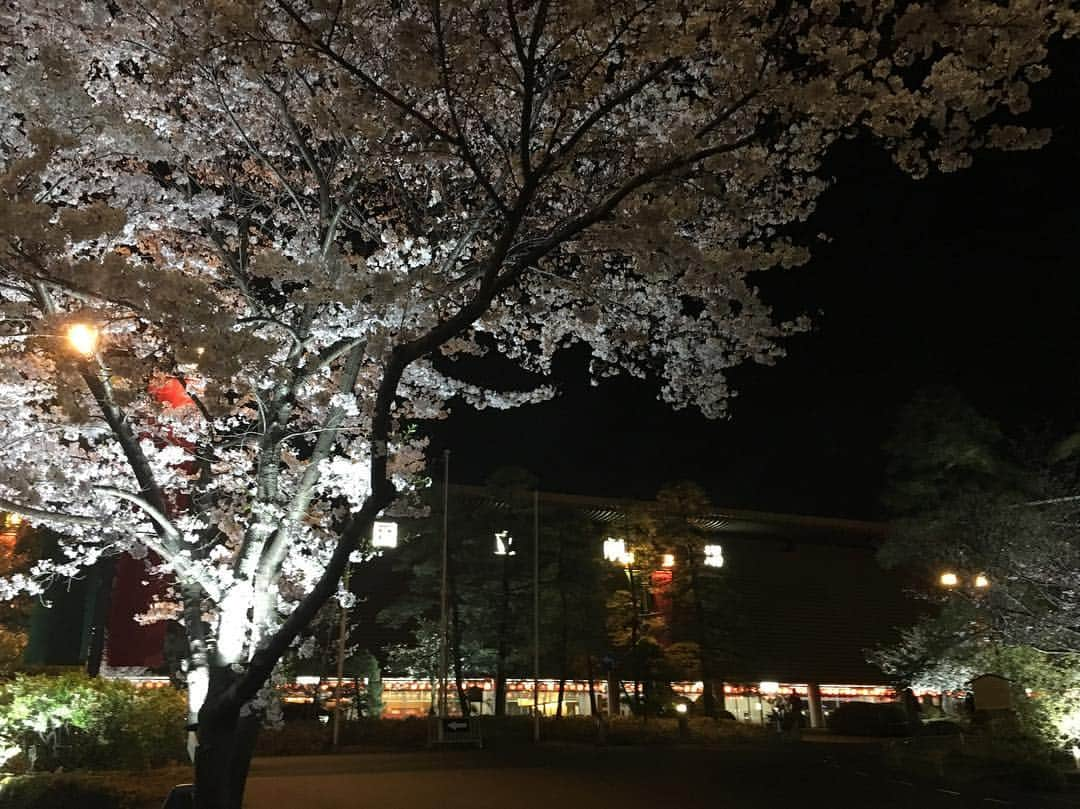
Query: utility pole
[(443, 601), (536, 615)]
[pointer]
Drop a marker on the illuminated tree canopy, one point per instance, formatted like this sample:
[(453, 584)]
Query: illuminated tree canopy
[(287, 218)]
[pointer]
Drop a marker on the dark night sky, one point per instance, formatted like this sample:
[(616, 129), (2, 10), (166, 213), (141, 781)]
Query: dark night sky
[(967, 279)]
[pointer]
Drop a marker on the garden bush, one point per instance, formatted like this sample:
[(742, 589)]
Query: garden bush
[(941, 727), (75, 791), (297, 737), (72, 721), (869, 719)]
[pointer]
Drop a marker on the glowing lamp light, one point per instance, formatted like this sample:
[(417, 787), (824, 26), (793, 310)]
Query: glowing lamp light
[(504, 543), (681, 708), (12, 520), (981, 581), (614, 549), (769, 687), (714, 556), (384, 535), (83, 338), (949, 580), (627, 558), (669, 560)]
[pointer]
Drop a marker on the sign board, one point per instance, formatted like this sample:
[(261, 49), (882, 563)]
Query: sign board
[(384, 535), (992, 693), (455, 727)]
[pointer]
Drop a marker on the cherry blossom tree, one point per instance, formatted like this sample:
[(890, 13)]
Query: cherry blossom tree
[(271, 226)]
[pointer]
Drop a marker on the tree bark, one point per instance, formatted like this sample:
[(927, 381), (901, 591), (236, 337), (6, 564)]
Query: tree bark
[(226, 743)]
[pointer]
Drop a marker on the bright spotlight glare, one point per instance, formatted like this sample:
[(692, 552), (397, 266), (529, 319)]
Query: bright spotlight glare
[(83, 338)]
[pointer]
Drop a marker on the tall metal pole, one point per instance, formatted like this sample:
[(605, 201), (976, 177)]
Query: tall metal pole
[(444, 648), (342, 633), (536, 615)]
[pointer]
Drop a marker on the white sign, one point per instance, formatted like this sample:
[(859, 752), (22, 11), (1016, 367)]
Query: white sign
[(384, 535)]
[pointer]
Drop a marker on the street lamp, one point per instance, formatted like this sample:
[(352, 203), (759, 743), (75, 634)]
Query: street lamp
[(949, 579), (614, 549), (714, 556), (982, 582), (504, 544), (83, 337)]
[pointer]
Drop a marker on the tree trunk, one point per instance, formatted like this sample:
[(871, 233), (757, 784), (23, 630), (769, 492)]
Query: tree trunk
[(564, 634), (634, 638), (592, 686), (708, 696), (503, 642), (226, 744), (103, 583)]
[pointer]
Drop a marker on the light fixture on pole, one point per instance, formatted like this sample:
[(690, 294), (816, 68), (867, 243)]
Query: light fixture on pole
[(504, 544), (83, 337), (614, 549)]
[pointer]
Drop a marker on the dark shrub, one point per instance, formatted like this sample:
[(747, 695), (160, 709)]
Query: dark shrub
[(66, 791), (869, 719), (1036, 774), (941, 728)]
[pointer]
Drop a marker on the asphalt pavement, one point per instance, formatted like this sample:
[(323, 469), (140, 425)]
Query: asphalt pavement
[(751, 777)]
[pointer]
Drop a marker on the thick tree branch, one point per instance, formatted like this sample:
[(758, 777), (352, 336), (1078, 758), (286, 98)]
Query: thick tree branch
[(46, 515)]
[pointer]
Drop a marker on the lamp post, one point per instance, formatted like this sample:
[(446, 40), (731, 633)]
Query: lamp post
[(951, 580), (615, 552), (383, 536)]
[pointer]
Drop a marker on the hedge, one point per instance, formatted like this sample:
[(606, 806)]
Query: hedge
[(113, 790), (73, 721)]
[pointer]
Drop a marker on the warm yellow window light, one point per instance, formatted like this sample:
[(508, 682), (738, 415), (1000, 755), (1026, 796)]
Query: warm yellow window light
[(949, 580), (83, 338), (12, 520), (669, 560)]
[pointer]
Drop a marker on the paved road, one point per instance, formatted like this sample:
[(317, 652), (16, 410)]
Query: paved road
[(778, 778)]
